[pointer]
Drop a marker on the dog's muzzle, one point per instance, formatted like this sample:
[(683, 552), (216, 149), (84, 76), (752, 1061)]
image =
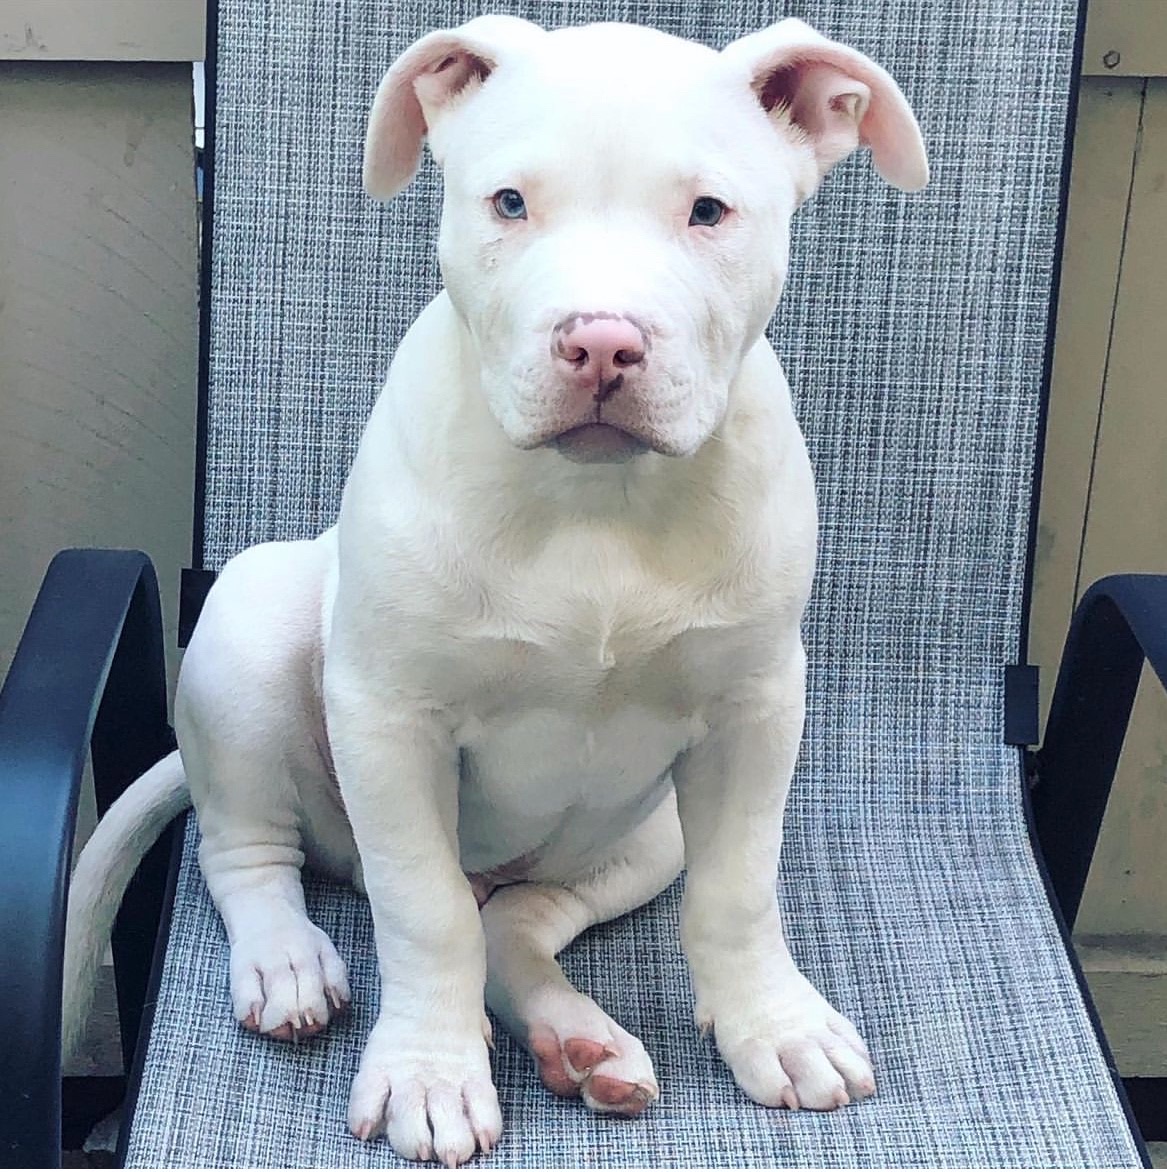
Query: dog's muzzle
[(595, 357)]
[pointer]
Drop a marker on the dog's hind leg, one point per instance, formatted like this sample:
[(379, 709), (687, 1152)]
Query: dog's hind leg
[(251, 739), (579, 1049)]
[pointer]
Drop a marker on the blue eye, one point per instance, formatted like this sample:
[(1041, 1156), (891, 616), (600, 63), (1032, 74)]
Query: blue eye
[(509, 204), (707, 212)]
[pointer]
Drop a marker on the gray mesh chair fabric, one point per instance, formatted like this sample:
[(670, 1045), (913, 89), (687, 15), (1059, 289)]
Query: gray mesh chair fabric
[(913, 331)]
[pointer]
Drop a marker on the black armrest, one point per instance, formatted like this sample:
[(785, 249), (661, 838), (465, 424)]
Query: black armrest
[(1120, 623), (89, 669)]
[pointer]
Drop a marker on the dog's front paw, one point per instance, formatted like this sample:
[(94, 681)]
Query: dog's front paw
[(430, 1093), (791, 1049), (287, 980)]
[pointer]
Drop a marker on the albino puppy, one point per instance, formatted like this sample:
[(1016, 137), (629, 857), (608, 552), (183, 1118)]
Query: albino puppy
[(550, 654)]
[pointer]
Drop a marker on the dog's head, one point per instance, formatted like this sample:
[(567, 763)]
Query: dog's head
[(617, 202)]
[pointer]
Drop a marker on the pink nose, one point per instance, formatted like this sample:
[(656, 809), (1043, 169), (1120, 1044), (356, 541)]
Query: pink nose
[(598, 346)]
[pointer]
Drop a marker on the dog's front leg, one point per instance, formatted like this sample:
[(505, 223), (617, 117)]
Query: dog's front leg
[(784, 1043), (398, 775)]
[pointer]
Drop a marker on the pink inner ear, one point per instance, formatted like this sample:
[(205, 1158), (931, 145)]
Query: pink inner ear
[(821, 99), (826, 103), (778, 88), (454, 72), (838, 98)]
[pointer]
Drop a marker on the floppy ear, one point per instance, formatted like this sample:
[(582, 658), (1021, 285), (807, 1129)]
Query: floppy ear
[(838, 98), (425, 81)]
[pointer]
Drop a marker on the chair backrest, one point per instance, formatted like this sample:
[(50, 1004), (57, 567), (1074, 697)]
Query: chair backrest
[(913, 330)]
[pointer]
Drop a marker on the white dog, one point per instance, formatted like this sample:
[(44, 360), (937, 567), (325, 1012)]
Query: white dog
[(551, 653)]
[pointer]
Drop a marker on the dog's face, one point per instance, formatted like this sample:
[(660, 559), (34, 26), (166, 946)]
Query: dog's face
[(617, 201), (623, 244)]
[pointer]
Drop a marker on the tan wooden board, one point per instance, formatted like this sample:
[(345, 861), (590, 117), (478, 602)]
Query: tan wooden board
[(1128, 980), (1133, 1008), (98, 320), (1126, 530), (1107, 128), (1126, 38), (102, 30)]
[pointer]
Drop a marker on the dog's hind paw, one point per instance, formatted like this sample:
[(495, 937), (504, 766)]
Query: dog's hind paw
[(581, 1051), (287, 980)]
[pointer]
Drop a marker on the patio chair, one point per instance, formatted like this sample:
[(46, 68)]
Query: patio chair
[(914, 331)]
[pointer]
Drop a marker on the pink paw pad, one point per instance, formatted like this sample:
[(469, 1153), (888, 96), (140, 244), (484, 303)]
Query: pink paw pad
[(569, 1070), (618, 1096), (553, 1065)]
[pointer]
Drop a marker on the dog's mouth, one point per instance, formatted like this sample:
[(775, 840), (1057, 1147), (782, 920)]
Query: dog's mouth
[(598, 443)]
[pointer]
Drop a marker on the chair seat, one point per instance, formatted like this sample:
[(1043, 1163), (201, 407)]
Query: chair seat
[(939, 946)]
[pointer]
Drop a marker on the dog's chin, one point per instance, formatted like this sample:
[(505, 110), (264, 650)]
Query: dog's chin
[(598, 443)]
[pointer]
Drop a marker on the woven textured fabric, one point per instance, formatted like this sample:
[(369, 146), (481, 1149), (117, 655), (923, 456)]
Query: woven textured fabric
[(942, 955), (913, 330)]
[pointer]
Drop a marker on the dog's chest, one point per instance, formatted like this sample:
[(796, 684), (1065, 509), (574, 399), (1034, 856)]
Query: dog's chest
[(592, 647), (572, 708), (560, 757)]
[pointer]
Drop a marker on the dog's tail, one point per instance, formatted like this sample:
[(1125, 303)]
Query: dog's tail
[(104, 869)]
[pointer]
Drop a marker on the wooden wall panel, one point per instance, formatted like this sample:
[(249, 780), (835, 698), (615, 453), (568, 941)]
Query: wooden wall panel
[(102, 30), (98, 320), (1107, 130), (1126, 38), (1126, 530)]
